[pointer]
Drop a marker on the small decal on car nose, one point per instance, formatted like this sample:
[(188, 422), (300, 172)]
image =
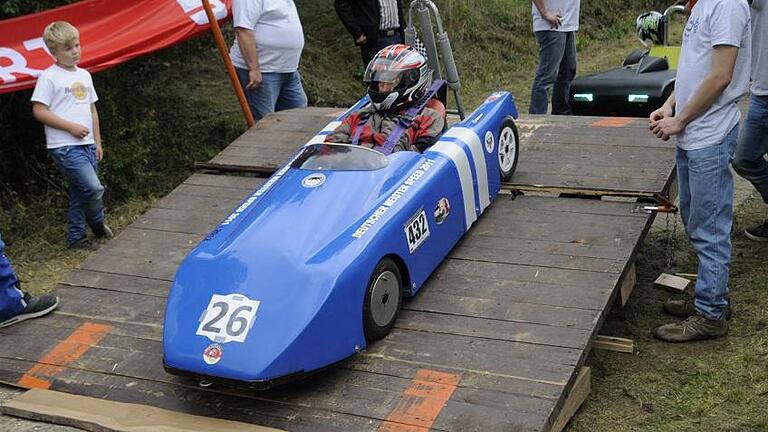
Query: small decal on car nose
[(313, 180), (212, 354)]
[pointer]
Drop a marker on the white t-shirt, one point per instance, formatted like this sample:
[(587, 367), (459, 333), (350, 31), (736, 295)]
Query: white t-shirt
[(278, 32), (760, 47), (69, 95), (569, 9), (712, 23)]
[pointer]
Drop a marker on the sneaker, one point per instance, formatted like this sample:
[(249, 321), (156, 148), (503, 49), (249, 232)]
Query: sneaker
[(37, 306), (695, 327), (83, 244), (684, 308), (101, 230), (758, 233)]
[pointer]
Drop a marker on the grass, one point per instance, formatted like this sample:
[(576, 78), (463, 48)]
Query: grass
[(719, 385), (711, 386)]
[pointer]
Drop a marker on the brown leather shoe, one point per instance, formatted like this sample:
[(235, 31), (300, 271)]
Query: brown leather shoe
[(696, 327), (684, 308)]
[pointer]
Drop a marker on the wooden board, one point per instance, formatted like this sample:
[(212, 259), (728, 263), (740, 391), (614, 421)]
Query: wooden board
[(510, 314), (583, 153), (105, 416)]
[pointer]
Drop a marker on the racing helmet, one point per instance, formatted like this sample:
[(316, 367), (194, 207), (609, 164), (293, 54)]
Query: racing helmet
[(650, 28), (397, 77)]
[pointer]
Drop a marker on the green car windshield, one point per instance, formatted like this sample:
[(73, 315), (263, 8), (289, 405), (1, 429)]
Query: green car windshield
[(339, 157)]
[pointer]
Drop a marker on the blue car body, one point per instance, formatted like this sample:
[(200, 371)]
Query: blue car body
[(276, 290)]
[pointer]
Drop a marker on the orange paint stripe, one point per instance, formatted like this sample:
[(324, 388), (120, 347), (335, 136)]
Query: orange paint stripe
[(612, 122), (421, 402), (63, 354)]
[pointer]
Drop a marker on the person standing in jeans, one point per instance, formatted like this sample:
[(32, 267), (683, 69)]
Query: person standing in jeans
[(749, 161), (269, 40), (712, 75), (555, 23), (373, 24)]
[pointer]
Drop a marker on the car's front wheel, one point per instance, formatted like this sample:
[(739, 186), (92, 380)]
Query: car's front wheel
[(382, 300), (509, 149)]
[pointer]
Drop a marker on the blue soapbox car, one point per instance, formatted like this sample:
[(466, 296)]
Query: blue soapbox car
[(316, 262)]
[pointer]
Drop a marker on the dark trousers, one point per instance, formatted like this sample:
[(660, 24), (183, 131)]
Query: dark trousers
[(556, 70), (369, 50)]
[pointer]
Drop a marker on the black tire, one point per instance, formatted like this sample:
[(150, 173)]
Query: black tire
[(508, 150), (383, 298)]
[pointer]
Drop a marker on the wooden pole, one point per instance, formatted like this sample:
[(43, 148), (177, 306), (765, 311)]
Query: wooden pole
[(228, 63)]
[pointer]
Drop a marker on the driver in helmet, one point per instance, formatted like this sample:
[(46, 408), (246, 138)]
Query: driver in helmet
[(396, 78)]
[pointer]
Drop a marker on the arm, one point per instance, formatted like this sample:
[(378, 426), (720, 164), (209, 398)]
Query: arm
[(554, 18), (348, 18), (343, 133), (45, 116), (97, 133), (425, 129), (247, 42), (723, 62)]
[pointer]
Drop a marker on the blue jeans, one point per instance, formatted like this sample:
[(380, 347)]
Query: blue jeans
[(557, 68), (10, 296), (277, 92), (749, 160), (706, 207), (79, 166)]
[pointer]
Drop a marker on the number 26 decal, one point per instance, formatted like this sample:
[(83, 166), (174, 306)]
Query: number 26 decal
[(228, 318)]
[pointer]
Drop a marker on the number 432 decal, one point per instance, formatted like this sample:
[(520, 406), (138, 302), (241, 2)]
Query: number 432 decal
[(416, 231), (228, 318)]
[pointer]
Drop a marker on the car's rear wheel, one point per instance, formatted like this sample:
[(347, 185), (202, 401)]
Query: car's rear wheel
[(509, 149), (382, 300)]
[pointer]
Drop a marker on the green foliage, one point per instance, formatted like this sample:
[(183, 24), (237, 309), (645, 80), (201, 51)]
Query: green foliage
[(13, 8)]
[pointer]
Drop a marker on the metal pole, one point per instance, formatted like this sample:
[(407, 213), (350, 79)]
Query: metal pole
[(228, 64)]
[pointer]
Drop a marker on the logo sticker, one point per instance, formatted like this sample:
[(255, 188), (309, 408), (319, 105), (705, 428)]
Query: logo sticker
[(489, 142), (442, 210), (313, 180), (212, 354)]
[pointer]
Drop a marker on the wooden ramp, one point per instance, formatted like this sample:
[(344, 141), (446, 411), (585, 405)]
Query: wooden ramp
[(493, 342)]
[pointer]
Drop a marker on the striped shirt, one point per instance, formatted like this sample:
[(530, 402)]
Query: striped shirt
[(389, 18)]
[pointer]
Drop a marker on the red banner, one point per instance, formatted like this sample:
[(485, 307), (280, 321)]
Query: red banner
[(111, 32)]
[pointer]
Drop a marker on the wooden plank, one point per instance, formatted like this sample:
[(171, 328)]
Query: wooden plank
[(496, 329), (188, 398), (180, 221), (478, 305), (375, 395), (629, 155), (563, 138), (98, 414), (675, 283), (576, 396), (628, 284), (228, 181), (617, 344)]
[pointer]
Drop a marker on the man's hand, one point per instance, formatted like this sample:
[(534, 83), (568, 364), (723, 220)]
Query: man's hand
[(99, 152), (78, 131), (663, 112), (666, 127), (555, 19), (362, 40), (254, 79)]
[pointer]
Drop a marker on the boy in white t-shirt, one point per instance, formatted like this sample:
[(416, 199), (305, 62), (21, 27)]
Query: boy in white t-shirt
[(63, 101)]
